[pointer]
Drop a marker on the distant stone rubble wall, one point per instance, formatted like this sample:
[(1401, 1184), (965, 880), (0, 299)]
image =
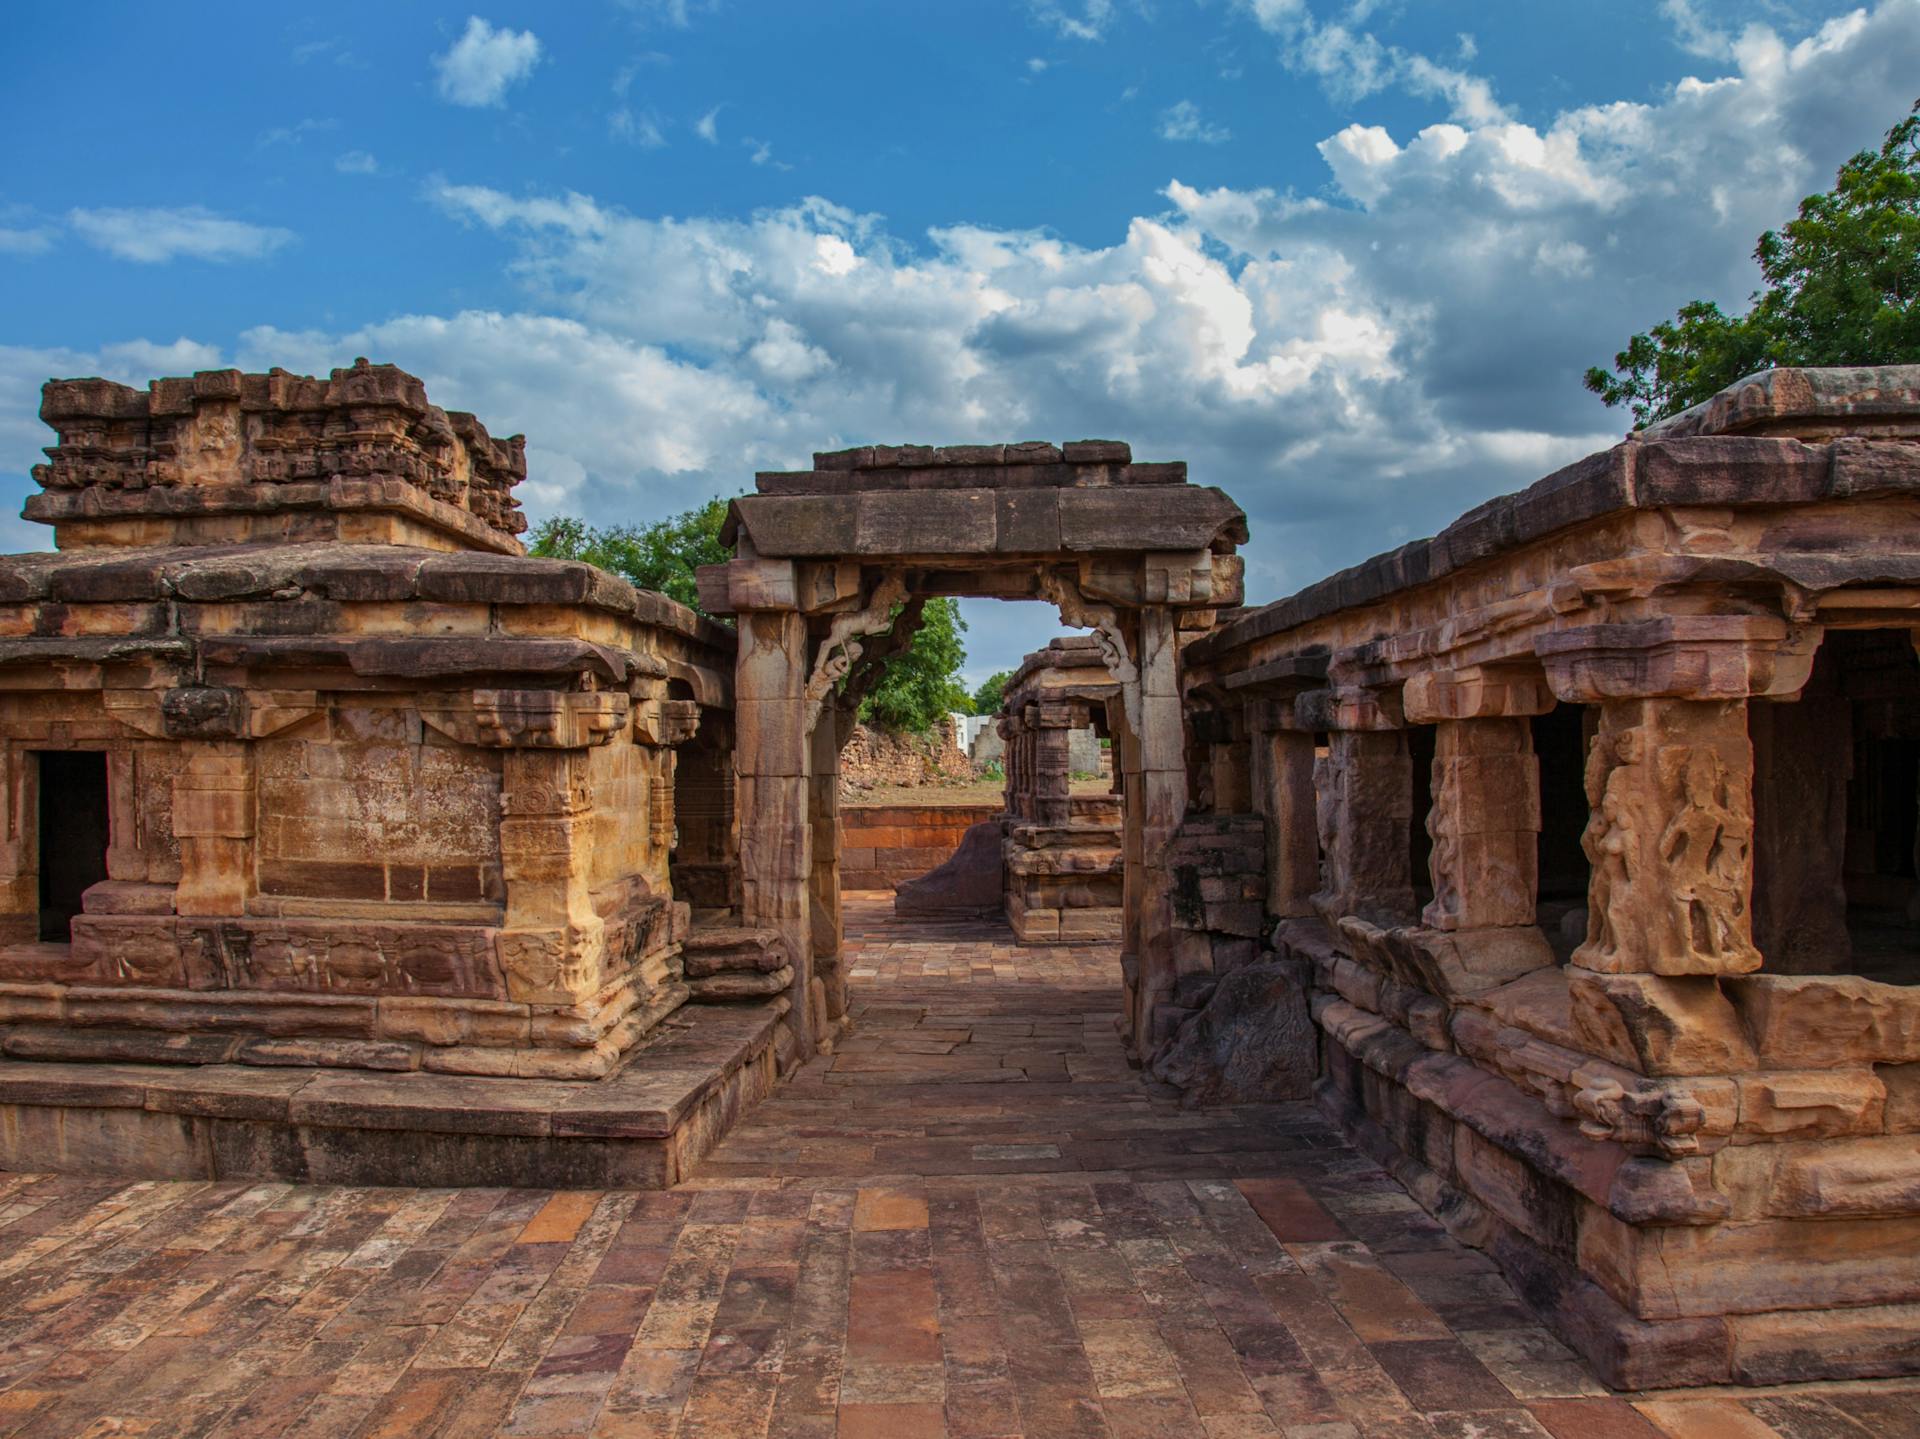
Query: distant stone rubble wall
[(875, 757)]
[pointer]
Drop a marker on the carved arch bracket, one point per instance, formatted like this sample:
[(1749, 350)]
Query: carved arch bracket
[(841, 648), (1081, 613)]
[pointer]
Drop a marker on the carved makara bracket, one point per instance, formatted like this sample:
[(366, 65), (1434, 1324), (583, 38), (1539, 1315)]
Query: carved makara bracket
[(841, 648), (661, 723), (530, 719), (1661, 1117), (1080, 613)]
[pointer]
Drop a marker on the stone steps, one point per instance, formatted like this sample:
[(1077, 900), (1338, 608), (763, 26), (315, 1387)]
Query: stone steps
[(732, 962)]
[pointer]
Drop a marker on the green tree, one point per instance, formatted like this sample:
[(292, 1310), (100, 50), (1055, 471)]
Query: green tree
[(661, 556), (1842, 281), (922, 683), (993, 690)]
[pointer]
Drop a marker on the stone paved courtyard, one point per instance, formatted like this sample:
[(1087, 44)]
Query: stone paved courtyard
[(973, 1220)]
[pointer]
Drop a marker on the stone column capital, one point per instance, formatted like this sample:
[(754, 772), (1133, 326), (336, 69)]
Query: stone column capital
[(1697, 657), (1349, 708), (1475, 693)]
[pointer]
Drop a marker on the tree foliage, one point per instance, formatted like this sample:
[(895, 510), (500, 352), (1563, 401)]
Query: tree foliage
[(992, 692), (921, 684), (661, 556), (1841, 283)]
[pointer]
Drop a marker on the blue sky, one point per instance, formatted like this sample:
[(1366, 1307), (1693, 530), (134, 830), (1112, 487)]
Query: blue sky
[(1347, 257)]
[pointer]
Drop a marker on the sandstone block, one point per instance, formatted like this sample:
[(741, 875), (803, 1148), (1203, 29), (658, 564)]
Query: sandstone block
[(1803, 1104), (1659, 1025), (1826, 1021), (1856, 1342)]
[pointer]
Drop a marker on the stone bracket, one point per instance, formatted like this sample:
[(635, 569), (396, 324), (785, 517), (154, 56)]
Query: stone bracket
[(209, 712), (1701, 657), (841, 649), (664, 723), (1348, 708), (1475, 693), (530, 719)]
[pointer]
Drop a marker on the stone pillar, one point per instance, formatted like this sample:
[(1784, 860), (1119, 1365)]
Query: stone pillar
[(1282, 783), (19, 847), (1232, 777), (1052, 788), (1485, 824), (772, 758), (1670, 838), (1363, 793), (552, 941), (1802, 761), (213, 819), (1156, 806), (827, 997)]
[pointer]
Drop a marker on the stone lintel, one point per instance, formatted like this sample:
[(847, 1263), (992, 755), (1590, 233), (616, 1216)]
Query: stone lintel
[(1279, 679), (982, 522)]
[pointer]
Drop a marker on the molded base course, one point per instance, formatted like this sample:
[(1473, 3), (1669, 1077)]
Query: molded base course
[(645, 1127), (1626, 1352)]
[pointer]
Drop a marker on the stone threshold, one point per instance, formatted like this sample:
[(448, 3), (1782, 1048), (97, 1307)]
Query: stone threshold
[(645, 1126)]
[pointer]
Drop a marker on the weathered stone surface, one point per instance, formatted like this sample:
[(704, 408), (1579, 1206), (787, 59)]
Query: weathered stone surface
[(1252, 1043), (321, 794), (1825, 1021), (742, 984), (970, 883), (1670, 840)]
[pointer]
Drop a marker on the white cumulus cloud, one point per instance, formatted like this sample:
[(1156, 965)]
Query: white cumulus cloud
[(484, 63), (153, 235)]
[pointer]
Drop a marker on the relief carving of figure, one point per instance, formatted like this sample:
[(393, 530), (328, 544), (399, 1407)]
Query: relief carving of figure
[(1443, 828), (1704, 848), (1668, 845)]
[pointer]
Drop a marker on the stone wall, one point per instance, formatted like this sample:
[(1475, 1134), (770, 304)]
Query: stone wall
[(882, 846), (875, 757)]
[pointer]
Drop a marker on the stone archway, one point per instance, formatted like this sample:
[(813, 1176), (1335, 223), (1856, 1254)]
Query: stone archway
[(831, 568)]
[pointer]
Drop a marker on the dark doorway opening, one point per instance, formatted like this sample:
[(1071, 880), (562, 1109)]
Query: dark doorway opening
[(73, 836), (1561, 738)]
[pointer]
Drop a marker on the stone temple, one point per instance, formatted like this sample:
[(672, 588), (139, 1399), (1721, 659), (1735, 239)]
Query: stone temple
[(1566, 860)]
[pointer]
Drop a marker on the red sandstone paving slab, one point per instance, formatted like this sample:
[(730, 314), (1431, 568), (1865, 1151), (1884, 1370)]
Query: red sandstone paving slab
[(1155, 1295)]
